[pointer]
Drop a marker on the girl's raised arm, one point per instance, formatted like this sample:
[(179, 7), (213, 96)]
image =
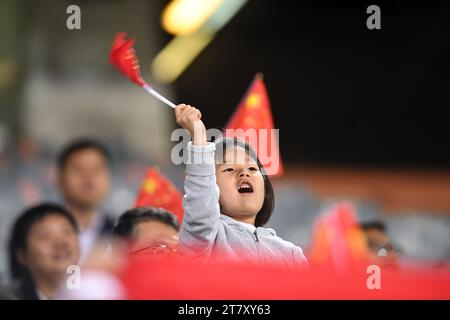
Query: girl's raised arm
[(201, 200)]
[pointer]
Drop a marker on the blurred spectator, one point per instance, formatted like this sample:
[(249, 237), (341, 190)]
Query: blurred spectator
[(43, 244), (151, 230), (147, 230), (100, 272), (381, 250), (84, 178)]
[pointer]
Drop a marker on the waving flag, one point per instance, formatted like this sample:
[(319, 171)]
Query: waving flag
[(254, 112), (338, 240), (158, 191), (124, 58)]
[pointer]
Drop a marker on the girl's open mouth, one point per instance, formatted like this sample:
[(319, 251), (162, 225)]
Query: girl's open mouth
[(245, 187)]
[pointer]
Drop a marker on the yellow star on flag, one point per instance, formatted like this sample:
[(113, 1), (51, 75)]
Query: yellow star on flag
[(253, 101), (150, 186)]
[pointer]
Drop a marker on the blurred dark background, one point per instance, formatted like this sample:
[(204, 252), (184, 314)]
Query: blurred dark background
[(341, 94)]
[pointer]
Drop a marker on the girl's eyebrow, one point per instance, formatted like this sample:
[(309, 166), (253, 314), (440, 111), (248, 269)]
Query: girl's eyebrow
[(251, 164), (225, 164)]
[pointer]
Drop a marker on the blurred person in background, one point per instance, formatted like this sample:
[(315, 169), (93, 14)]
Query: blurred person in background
[(43, 244), (84, 180), (140, 231), (149, 230), (381, 250)]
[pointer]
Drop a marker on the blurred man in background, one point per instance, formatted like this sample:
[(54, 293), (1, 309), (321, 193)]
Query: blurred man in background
[(381, 250), (84, 180), (149, 230)]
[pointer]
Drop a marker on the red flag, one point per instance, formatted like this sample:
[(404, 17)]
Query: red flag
[(183, 278), (158, 191), (123, 57), (338, 240), (254, 112)]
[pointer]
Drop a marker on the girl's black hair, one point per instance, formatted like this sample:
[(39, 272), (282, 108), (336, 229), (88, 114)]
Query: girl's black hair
[(18, 241), (227, 143), (129, 219)]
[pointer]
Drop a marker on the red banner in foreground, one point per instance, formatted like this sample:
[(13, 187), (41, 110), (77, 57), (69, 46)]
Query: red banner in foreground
[(176, 278)]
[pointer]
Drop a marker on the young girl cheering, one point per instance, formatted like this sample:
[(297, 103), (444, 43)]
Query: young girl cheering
[(228, 199)]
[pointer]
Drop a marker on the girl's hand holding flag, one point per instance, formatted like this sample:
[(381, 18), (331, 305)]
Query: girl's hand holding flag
[(189, 118)]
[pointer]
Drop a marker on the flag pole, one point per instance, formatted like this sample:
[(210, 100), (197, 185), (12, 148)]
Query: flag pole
[(158, 96)]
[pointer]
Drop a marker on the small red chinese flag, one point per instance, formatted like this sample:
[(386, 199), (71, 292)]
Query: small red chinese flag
[(124, 58), (254, 112), (158, 191)]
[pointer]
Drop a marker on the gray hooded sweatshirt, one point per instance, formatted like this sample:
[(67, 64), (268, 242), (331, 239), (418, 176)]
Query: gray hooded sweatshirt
[(205, 232)]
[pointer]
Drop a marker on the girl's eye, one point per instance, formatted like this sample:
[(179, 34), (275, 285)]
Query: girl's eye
[(228, 170), (253, 169)]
